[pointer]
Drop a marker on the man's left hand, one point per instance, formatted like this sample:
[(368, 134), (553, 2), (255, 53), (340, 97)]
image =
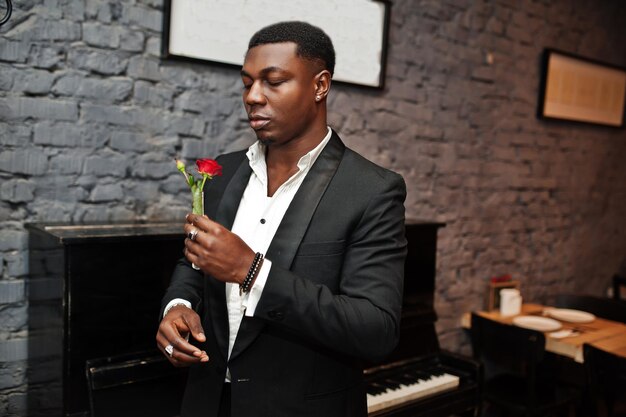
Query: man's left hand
[(216, 250)]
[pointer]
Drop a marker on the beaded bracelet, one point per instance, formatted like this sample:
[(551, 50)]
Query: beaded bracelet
[(246, 285)]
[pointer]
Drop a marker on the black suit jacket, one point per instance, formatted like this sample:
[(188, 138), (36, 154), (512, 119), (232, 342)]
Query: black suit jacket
[(332, 298)]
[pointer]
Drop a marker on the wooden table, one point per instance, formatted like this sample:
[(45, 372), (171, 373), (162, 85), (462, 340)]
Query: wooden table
[(605, 334)]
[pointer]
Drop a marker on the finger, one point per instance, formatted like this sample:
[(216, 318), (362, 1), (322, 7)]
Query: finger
[(164, 335), (193, 323), (202, 239), (171, 334), (175, 358), (202, 247), (185, 358), (197, 237), (182, 345), (208, 230), (194, 219), (188, 228), (179, 357), (203, 223), (196, 246), (190, 256)]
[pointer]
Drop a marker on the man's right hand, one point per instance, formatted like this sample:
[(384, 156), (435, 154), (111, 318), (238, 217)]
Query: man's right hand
[(176, 326)]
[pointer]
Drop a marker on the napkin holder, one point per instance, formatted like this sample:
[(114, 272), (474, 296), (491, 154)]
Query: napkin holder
[(510, 302)]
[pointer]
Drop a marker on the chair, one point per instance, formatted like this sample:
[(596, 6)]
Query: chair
[(517, 379), (618, 282), (606, 382), (606, 308)]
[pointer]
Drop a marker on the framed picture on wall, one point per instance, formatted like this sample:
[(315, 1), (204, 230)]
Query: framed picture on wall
[(218, 31), (581, 90)]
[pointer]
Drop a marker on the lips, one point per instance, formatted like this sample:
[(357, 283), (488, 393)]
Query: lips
[(258, 122)]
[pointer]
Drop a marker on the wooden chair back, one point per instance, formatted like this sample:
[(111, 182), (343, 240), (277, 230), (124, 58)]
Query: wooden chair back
[(606, 381), (507, 349), (604, 307)]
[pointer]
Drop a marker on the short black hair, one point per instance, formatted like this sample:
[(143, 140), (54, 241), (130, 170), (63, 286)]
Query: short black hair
[(313, 43)]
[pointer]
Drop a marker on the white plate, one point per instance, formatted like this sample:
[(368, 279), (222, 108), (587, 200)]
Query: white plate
[(563, 333), (572, 316), (543, 324)]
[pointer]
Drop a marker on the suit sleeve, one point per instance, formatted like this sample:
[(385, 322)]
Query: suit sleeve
[(363, 318), (186, 283)]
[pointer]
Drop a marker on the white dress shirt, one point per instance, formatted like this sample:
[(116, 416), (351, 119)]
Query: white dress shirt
[(256, 223)]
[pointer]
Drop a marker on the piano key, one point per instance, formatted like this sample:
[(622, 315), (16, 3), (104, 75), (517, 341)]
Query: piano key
[(375, 388), (405, 379), (392, 383), (404, 393)]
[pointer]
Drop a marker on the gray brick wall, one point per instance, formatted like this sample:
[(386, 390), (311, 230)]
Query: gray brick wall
[(91, 119)]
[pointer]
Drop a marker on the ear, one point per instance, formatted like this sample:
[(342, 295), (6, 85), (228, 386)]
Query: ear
[(322, 85)]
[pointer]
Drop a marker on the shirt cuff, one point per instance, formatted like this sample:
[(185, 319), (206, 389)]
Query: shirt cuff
[(251, 299), (174, 302)]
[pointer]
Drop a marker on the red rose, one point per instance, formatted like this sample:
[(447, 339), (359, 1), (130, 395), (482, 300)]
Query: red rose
[(209, 167)]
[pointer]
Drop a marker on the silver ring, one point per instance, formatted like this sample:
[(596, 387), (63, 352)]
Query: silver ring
[(170, 350), (192, 235)]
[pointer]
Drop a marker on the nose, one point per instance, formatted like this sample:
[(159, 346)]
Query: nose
[(255, 94)]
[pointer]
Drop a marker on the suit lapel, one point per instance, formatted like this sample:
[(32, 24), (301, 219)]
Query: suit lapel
[(225, 215), (294, 225), (227, 209), (298, 216)]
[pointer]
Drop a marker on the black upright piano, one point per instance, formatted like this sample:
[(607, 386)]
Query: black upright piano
[(87, 358), (418, 378)]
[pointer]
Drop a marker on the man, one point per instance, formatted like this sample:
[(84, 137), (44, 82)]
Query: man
[(284, 334)]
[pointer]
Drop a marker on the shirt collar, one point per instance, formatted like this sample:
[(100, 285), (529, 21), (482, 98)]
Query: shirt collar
[(256, 156)]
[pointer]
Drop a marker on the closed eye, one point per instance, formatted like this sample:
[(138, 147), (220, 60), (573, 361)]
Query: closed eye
[(275, 83)]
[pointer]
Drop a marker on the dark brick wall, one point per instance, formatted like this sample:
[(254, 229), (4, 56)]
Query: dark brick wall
[(91, 119)]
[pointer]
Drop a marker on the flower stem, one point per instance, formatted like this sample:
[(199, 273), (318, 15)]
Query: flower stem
[(197, 206)]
